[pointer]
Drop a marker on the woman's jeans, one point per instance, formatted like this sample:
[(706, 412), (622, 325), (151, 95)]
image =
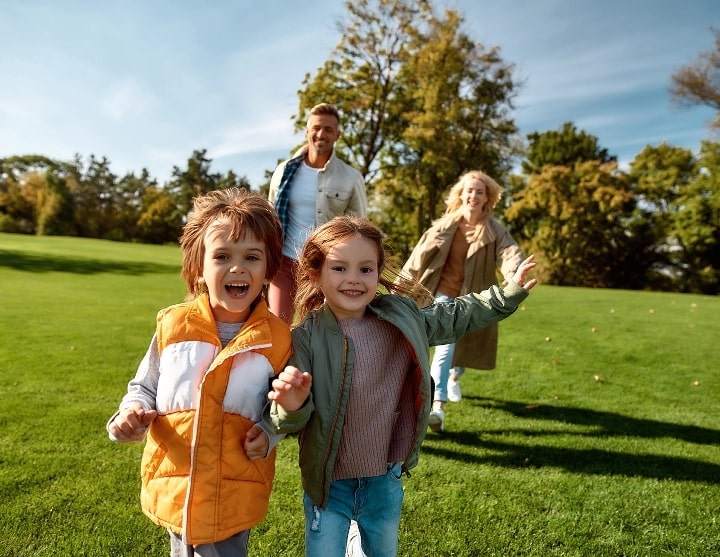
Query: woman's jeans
[(442, 361), (374, 503)]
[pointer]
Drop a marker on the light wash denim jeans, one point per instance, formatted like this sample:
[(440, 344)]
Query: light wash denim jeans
[(374, 503), (442, 362)]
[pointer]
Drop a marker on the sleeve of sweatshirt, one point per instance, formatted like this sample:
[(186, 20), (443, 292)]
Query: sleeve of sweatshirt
[(143, 387), (273, 438)]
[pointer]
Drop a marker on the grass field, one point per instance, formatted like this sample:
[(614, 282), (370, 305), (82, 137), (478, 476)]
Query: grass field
[(597, 435)]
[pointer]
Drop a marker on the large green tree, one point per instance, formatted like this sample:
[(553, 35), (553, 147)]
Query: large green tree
[(698, 222), (573, 218), (659, 174), (573, 208), (562, 147), (159, 221), (56, 209), (130, 200), (680, 202), (421, 102)]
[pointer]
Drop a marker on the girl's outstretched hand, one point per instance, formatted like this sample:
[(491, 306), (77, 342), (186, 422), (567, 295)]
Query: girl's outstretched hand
[(520, 276), (290, 388)]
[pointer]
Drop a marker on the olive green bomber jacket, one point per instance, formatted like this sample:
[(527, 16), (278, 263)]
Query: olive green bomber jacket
[(320, 348)]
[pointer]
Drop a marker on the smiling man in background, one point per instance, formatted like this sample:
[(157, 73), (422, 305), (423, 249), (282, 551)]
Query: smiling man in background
[(308, 190)]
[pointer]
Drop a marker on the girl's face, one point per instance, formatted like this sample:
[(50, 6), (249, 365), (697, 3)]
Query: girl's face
[(474, 198), (349, 277), (234, 273)]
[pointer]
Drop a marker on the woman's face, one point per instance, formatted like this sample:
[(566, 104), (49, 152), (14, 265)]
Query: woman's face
[(474, 198)]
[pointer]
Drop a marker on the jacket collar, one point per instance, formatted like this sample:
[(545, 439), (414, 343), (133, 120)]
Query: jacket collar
[(255, 331), (302, 151)]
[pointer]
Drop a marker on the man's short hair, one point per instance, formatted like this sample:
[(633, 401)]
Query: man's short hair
[(325, 109)]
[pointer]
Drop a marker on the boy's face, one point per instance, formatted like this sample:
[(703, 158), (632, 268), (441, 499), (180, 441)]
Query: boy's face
[(349, 277), (234, 272)]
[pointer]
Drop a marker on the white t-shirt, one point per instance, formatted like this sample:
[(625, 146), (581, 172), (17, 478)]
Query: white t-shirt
[(301, 209)]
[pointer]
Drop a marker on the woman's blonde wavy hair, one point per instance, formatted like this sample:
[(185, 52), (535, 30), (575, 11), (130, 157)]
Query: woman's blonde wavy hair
[(454, 201)]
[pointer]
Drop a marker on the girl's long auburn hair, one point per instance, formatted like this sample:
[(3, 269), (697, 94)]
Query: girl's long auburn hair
[(319, 243)]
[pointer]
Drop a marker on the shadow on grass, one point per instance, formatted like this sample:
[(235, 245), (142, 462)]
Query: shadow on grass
[(56, 263), (609, 423), (589, 461)]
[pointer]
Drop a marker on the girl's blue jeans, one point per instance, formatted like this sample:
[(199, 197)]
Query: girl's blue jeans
[(442, 362), (374, 503)]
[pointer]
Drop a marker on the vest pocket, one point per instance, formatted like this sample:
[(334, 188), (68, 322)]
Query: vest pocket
[(167, 449), (235, 465), (152, 459)]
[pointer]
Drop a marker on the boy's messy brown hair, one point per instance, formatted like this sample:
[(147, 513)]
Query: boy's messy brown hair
[(242, 212)]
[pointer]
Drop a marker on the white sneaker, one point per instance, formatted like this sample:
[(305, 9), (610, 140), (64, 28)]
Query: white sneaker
[(436, 421), (354, 545), (453, 390)]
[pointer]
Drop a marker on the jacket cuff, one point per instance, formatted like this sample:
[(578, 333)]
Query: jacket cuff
[(284, 421)]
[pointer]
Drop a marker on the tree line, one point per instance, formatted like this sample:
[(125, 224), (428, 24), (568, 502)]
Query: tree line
[(43, 196), (421, 103)]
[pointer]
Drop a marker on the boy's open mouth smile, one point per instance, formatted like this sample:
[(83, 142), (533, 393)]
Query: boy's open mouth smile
[(237, 289)]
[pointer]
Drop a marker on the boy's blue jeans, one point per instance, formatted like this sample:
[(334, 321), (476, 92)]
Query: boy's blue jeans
[(374, 503)]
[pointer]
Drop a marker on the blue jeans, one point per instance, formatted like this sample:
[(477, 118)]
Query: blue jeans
[(234, 546), (374, 503), (442, 361)]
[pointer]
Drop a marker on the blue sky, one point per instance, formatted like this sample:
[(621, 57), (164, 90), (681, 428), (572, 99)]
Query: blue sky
[(144, 83)]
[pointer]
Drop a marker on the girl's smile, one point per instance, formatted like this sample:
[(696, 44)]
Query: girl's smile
[(349, 277)]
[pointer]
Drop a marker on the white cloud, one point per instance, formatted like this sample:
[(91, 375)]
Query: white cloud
[(243, 139), (126, 97)]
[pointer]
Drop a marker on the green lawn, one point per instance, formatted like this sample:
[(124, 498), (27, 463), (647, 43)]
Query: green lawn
[(598, 434)]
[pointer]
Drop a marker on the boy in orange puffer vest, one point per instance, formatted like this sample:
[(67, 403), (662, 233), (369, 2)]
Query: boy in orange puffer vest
[(198, 395)]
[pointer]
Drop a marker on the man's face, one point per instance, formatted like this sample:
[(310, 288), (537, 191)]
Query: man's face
[(322, 133)]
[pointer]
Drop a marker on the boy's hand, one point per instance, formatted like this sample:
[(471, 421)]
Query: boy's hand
[(131, 423), (520, 276), (256, 443), (291, 388)]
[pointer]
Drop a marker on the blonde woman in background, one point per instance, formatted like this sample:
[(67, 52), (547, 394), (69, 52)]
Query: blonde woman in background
[(462, 252)]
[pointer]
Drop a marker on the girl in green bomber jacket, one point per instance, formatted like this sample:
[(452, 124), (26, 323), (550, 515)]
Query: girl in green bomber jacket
[(358, 387)]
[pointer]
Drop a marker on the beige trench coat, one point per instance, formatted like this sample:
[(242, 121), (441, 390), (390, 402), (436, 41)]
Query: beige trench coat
[(494, 250)]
